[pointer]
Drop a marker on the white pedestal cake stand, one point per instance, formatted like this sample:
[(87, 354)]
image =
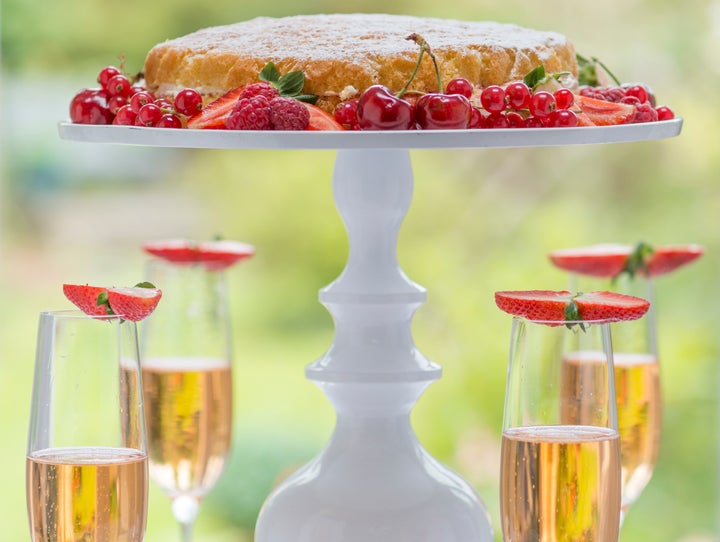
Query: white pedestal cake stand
[(374, 482)]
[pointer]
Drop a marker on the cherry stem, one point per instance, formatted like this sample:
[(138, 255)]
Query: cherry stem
[(424, 48)]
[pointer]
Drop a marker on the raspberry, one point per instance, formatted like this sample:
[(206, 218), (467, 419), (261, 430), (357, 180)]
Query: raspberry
[(609, 94), (645, 113), (288, 114), (263, 88), (250, 114)]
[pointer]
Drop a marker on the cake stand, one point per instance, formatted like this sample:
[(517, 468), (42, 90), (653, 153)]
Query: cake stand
[(373, 482)]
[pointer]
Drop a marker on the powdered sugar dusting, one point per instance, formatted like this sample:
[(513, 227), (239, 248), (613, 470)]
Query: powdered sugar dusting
[(351, 37)]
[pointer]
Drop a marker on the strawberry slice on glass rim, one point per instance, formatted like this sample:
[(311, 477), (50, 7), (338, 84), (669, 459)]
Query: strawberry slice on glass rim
[(214, 255), (611, 260), (133, 303), (558, 307)]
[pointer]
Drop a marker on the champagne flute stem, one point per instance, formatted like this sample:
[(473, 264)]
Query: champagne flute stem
[(185, 509)]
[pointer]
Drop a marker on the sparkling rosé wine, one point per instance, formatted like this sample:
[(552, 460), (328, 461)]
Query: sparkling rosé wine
[(188, 417), (637, 386), (560, 483), (87, 495)]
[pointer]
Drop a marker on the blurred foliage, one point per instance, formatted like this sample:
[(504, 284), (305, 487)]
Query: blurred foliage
[(481, 220)]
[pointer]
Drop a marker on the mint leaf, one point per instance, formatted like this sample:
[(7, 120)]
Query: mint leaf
[(144, 285), (291, 84), (307, 98), (535, 77), (270, 73), (103, 300)]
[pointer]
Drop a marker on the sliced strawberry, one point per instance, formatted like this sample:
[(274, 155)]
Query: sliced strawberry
[(321, 120), (214, 114), (604, 261), (602, 113), (133, 303), (215, 255), (85, 298), (558, 307), (668, 258), (173, 250), (609, 260)]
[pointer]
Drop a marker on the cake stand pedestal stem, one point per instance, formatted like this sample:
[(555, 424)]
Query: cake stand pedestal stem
[(373, 481)]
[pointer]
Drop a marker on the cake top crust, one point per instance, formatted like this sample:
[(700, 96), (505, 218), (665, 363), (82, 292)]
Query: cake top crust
[(349, 37)]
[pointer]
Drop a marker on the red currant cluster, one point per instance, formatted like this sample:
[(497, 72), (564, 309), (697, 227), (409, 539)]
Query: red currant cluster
[(119, 101), (634, 94), (461, 106)]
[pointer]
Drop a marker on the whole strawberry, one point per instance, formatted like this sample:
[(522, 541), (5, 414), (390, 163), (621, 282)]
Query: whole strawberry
[(288, 114), (250, 114)]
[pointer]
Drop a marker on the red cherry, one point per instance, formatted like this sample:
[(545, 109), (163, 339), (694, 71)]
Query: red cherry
[(518, 95), (148, 115), (106, 74), (119, 85), (443, 112), (493, 98), (168, 120), (665, 113), (562, 118), (542, 104), (564, 98), (89, 106), (380, 109), (460, 86), (125, 116), (188, 102)]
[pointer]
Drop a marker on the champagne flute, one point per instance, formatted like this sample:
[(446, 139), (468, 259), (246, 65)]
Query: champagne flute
[(560, 472), (637, 384), (187, 385), (86, 467)]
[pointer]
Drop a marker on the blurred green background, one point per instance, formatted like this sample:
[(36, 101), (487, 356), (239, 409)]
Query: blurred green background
[(480, 221)]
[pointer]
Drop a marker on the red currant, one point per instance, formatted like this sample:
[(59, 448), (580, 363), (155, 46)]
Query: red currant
[(139, 99), (542, 104), (115, 103), (496, 120), (106, 74), (459, 86), (515, 120), (639, 92), (148, 115), (665, 113), (119, 85), (518, 95), (476, 118), (493, 98), (168, 120), (125, 116), (562, 118), (164, 103), (346, 113), (564, 98), (534, 122), (188, 102)]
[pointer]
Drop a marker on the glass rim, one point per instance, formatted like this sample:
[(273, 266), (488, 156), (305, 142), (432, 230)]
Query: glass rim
[(70, 314), (558, 323)]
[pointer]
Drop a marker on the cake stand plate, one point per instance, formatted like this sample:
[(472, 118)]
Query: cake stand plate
[(374, 481), (416, 139)]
